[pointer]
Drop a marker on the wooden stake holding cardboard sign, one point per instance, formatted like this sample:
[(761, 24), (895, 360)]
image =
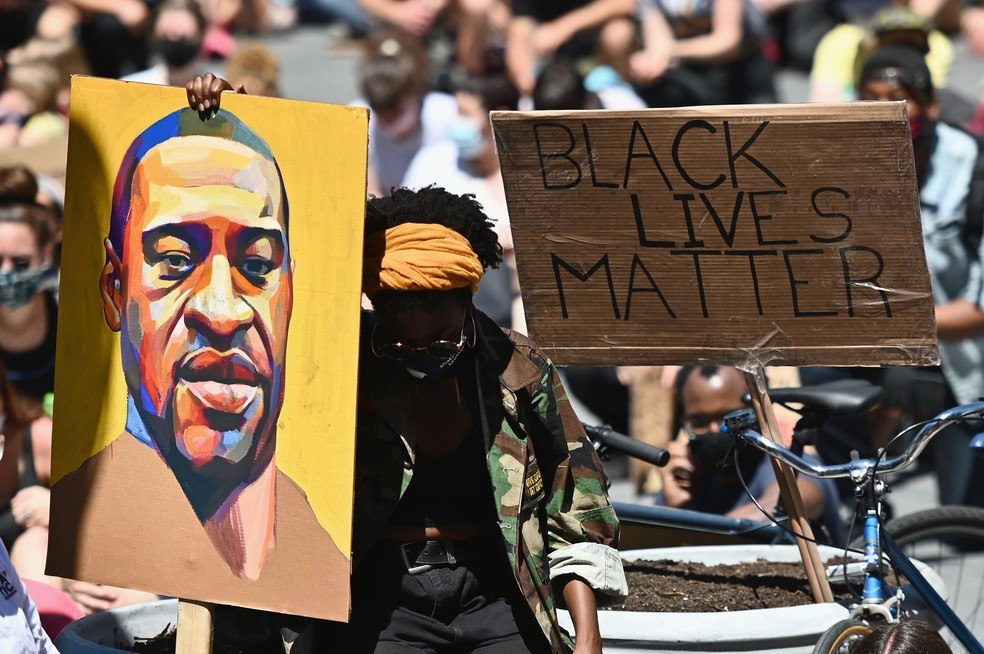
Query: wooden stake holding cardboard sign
[(813, 565), (746, 236), (195, 627)]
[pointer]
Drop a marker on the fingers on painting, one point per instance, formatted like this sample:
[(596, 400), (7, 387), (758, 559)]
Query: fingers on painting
[(204, 93)]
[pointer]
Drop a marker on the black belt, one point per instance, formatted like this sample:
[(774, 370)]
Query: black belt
[(425, 555)]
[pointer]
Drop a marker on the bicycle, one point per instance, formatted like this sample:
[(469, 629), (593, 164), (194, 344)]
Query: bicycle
[(961, 527), (656, 526)]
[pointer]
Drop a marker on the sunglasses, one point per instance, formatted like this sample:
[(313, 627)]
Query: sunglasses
[(439, 349)]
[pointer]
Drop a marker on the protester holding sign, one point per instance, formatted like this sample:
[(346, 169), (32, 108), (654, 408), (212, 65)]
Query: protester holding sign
[(493, 471), (470, 459), (945, 159)]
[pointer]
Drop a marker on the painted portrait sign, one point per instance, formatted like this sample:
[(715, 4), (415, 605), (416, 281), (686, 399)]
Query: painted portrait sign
[(207, 362)]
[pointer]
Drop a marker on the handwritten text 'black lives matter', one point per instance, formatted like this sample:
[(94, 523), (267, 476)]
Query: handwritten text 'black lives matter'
[(568, 159)]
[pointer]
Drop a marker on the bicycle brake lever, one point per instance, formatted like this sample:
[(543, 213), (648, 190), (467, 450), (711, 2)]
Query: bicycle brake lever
[(737, 421)]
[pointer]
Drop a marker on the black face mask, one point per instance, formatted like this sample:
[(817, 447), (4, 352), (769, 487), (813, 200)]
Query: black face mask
[(714, 453), (178, 52), (712, 449), (423, 366)]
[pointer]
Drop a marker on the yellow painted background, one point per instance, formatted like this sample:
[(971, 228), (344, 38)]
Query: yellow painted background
[(321, 150)]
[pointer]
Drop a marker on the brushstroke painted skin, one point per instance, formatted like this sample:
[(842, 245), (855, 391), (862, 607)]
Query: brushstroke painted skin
[(208, 295)]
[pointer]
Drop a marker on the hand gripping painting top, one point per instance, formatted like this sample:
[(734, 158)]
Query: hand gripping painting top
[(207, 355)]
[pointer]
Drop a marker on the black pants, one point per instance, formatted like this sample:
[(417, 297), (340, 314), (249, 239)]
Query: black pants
[(474, 606)]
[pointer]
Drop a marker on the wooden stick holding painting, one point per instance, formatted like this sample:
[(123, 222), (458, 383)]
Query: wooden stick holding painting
[(210, 455), (195, 627)]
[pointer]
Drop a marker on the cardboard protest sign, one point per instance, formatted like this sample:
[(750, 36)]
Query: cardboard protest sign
[(207, 348), (772, 235)]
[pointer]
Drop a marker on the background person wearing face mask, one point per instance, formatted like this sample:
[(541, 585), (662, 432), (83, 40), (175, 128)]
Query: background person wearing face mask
[(406, 117), (468, 164), (179, 26), (944, 158), (701, 474), (28, 310)]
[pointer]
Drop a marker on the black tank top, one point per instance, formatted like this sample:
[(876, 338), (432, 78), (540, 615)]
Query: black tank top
[(453, 488), (9, 529), (32, 373)]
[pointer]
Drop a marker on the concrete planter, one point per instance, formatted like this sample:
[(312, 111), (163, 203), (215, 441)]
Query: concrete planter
[(115, 631), (788, 630)]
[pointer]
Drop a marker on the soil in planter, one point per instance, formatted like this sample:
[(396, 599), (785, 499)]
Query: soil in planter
[(687, 587), (165, 644)]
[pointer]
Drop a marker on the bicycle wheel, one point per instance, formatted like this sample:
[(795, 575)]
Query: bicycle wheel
[(949, 539), (840, 637)]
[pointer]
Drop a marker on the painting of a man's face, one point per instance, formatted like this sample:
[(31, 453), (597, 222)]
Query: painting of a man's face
[(209, 348), (205, 300)]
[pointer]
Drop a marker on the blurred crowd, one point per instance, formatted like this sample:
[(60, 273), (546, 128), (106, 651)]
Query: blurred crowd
[(431, 71)]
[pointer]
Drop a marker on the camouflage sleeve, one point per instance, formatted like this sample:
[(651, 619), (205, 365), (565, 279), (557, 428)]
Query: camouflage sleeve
[(581, 523)]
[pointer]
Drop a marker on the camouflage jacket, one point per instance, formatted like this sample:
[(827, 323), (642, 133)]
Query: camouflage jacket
[(550, 490)]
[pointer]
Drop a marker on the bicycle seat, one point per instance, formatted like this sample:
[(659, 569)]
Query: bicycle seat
[(841, 397)]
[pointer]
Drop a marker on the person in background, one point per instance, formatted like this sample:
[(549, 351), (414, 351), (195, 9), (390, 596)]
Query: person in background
[(18, 22), (572, 29), (972, 26), (703, 473), (28, 312), (476, 24), (405, 115), (28, 110), (254, 67), (176, 39), (700, 53), (226, 17), (945, 158), (348, 13), (20, 623), (25, 474), (902, 637), (65, 56), (467, 163), (842, 52), (113, 34)]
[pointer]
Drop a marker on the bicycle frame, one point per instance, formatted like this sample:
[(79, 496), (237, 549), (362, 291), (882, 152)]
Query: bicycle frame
[(862, 472), (686, 520), (874, 589), (929, 595)]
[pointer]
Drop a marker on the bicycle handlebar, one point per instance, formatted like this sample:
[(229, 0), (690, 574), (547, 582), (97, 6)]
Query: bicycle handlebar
[(605, 436), (742, 424)]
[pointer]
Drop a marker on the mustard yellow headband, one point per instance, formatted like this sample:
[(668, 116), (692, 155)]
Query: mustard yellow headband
[(419, 257)]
